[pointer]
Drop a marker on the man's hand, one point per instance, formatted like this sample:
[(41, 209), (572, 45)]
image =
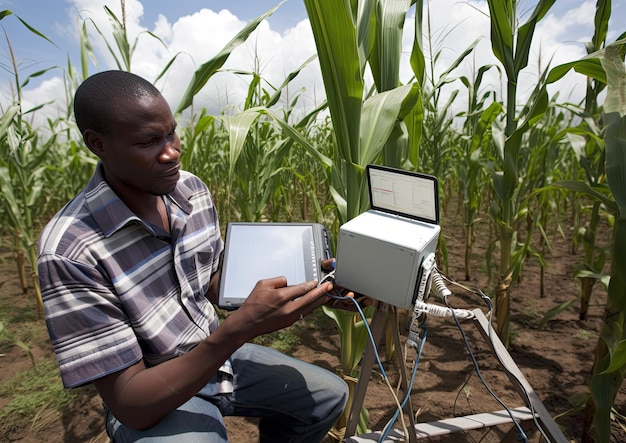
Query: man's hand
[(272, 305), (363, 301)]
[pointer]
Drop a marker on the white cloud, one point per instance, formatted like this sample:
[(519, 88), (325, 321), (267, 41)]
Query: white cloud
[(199, 36), (455, 25)]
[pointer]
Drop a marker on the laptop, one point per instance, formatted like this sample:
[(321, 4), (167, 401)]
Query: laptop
[(380, 252), (255, 251)]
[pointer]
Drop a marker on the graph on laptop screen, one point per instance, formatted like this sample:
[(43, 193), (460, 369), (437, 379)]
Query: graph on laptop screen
[(405, 193)]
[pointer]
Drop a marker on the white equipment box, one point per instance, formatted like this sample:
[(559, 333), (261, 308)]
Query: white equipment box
[(380, 252)]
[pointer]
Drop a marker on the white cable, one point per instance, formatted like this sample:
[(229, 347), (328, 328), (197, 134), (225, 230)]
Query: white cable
[(439, 285), (428, 264), (442, 311), (414, 339)]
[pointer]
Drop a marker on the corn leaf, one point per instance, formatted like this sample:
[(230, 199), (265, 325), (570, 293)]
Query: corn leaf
[(615, 70), (385, 64), (237, 127), (202, 75), (611, 361), (525, 34), (380, 114), (335, 39), (590, 65), (618, 359), (502, 33), (417, 60), (585, 189)]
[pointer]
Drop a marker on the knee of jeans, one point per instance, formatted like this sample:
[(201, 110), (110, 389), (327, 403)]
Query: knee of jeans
[(194, 422)]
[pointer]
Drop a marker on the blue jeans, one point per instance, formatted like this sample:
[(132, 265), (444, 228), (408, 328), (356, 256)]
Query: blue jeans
[(296, 402)]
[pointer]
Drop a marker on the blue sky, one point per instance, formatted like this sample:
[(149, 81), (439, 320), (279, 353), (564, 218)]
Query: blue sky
[(53, 18), (200, 28)]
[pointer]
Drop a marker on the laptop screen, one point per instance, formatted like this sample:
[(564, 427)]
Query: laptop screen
[(406, 193)]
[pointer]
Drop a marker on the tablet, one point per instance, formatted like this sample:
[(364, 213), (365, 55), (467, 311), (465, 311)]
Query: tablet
[(256, 251)]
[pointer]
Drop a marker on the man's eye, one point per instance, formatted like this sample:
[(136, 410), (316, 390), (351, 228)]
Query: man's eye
[(149, 143)]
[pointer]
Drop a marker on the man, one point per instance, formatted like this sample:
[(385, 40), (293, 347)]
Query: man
[(128, 271)]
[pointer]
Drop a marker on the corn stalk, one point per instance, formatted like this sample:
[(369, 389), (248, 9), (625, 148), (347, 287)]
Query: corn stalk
[(470, 150), (353, 336), (609, 366), (511, 45), (384, 123), (22, 172)]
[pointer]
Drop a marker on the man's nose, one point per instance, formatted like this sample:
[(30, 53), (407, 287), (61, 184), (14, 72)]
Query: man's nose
[(171, 150)]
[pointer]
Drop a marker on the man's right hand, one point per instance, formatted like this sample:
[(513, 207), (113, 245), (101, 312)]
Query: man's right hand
[(272, 305)]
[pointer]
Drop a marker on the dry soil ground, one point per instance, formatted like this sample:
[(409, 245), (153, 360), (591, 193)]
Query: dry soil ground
[(556, 360)]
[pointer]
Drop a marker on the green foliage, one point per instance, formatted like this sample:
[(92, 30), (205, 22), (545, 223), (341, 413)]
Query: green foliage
[(510, 42), (347, 37), (524, 166), (8, 337), (202, 75), (32, 390), (285, 340)]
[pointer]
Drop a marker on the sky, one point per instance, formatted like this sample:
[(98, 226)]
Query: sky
[(198, 29)]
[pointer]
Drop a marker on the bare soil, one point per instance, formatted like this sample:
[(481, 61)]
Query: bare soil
[(556, 360)]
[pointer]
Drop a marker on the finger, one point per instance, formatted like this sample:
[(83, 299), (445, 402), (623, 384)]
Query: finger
[(275, 282), (297, 291), (316, 297), (328, 264)]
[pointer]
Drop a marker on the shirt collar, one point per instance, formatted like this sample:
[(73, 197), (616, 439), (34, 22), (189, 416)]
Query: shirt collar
[(111, 213)]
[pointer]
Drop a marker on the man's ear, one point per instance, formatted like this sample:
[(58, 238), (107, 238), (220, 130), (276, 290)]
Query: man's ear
[(95, 142)]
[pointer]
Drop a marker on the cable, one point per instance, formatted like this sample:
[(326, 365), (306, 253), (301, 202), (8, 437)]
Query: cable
[(433, 279), (439, 286), (328, 277), (529, 402), (488, 302), (443, 311), (417, 317), (373, 343), (479, 374), (407, 394)]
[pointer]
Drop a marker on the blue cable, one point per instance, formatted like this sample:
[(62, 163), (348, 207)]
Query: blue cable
[(407, 394), (382, 370), (367, 328)]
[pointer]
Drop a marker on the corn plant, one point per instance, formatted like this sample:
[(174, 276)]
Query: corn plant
[(594, 256), (203, 142), (202, 75), (511, 46), (609, 366), (468, 151), (384, 123), (22, 173), (547, 163), (123, 50), (344, 33), (5, 335), (353, 339), (587, 145)]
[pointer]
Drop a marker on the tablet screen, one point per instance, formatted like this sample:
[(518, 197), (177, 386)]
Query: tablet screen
[(255, 251)]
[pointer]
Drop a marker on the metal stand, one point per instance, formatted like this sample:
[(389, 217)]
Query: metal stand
[(526, 416), (378, 328)]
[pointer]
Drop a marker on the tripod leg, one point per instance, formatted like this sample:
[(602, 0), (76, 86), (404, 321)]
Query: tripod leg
[(377, 329)]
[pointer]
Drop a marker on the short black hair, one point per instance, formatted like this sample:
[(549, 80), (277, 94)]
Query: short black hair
[(98, 96)]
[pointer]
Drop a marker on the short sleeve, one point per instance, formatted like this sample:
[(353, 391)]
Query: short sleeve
[(89, 330)]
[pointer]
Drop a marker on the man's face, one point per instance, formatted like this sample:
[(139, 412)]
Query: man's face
[(141, 151)]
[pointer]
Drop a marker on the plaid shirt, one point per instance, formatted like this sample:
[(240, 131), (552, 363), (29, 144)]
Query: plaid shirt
[(116, 290)]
